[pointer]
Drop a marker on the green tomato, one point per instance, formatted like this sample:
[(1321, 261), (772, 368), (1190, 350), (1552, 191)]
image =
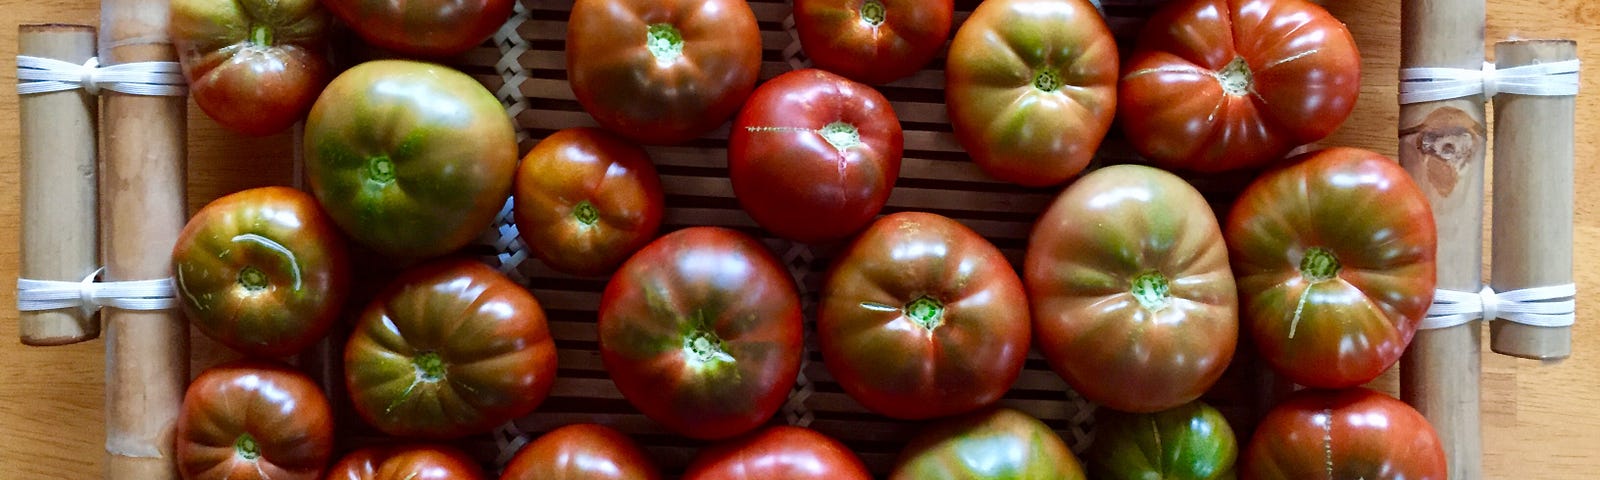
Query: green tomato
[(1189, 442)]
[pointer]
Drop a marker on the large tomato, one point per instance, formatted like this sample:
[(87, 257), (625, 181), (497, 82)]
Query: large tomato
[(586, 200), (582, 452), (254, 66), (451, 348), (701, 331), (920, 317), (813, 155), (1334, 257), (995, 444), (1133, 301), (1031, 88), (872, 41), (412, 159), (1190, 442), (1354, 433), (781, 452), (253, 420), (1226, 84), (429, 28), (662, 71), (406, 462), (262, 271)]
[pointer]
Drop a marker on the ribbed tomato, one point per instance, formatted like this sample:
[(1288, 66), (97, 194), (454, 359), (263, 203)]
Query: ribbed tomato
[(995, 444), (253, 421), (586, 199), (406, 462), (253, 66), (872, 41), (1190, 442), (1354, 433), (781, 452), (584, 451)]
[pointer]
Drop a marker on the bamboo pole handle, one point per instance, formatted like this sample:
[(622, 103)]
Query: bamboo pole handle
[(60, 237), (1533, 194)]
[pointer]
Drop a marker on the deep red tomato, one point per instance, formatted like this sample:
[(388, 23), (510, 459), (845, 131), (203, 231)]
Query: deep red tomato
[(872, 41), (921, 318), (995, 444), (1031, 88), (428, 28), (781, 452), (813, 155), (254, 420), (408, 462), (253, 66), (262, 271), (1190, 442), (1219, 85), (1133, 301), (451, 348), (1355, 433), (1334, 257), (701, 331), (586, 199), (662, 71), (582, 452)]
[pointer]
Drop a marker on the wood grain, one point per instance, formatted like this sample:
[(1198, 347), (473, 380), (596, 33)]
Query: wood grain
[(1538, 420)]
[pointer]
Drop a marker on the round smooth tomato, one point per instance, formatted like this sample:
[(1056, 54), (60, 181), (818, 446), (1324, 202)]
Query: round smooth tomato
[(253, 66), (813, 155), (1217, 85), (451, 348), (1031, 88), (428, 28), (406, 462), (780, 452), (995, 444), (1334, 258), (253, 420), (262, 271), (586, 199), (872, 41), (701, 331), (1352, 433), (920, 318), (662, 71), (1190, 442), (1133, 300), (583, 451), (411, 159)]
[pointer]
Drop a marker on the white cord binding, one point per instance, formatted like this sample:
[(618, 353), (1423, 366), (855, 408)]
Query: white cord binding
[(1552, 306), (44, 75), (90, 296), (1556, 79)]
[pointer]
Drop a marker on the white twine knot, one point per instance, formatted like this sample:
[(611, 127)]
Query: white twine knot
[(1428, 84), (1551, 306), (43, 75), (89, 295)]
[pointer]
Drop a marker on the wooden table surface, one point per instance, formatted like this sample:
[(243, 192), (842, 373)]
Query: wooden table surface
[(1540, 421)]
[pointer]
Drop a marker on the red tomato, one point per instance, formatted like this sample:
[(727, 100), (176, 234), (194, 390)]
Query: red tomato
[(813, 155), (253, 420), (781, 452), (254, 66), (586, 199), (428, 28), (582, 452), (1220, 85), (923, 318), (1334, 257), (662, 71), (1355, 433), (701, 331), (409, 462), (872, 41)]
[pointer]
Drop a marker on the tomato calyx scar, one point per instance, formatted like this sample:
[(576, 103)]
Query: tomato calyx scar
[(585, 213), (1318, 265), (703, 348), (430, 367), (1236, 78), (841, 135), (664, 41), (1047, 81), (873, 12), (252, 279), (926, 312), (245, 447), (261, 34), (1152, 290), (380, 169)]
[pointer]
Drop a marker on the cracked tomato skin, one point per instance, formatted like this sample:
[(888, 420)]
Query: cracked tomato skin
[(920, 318), (994, 444), (426, 28), (583, 451), (586, 199), (1031, 87), (1334, 259), (701, 331), (406, 462), (813, 155), (1345, 434), (1190, 442), (872, 41), (254, 66), (778, 452), (451, 348), (1217, 85), (253, 420)]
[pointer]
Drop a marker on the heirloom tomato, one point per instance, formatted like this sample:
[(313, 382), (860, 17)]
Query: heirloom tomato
[(584, 451), (781, 452), (1354, 433), (412, 159), (263, 271), (1133, 301), (451, 348), (586, 199), (701, 331), (254, 420), (254, 66), (429, 28), (1190, 442), (813, 155), (872, 41), (662, 71), (920, 317), (1218, 85), (406, 462), (1031, 88), (995, 444), (1334, 256)]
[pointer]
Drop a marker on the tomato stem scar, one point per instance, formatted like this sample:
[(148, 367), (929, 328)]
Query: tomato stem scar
[(430, 368), (246, 447), (1319, 265), (252, 279), (664, 41), (1236, 78), (873, 12), (1151, 290), (586, 213), (261, 35), (380, 169), (925, 312), (1047, 81), (704, 347), (841, 135)]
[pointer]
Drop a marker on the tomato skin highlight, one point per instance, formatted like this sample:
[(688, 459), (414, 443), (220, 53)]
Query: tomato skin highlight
[(253, 420), (1352, 433)]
